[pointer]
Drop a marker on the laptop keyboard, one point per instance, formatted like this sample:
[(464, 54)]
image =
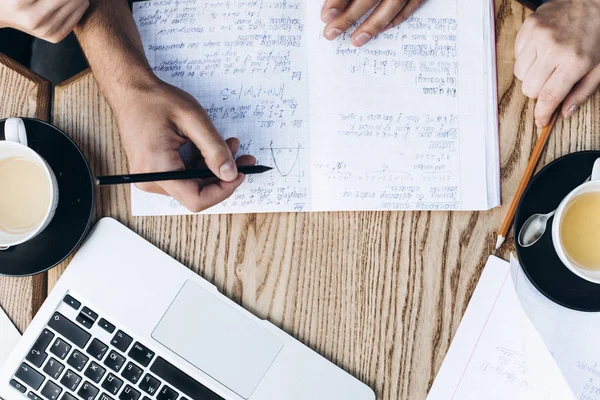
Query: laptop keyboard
[(88, 358)]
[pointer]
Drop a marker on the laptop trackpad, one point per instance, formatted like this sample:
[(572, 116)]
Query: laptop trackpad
[(218, 339)]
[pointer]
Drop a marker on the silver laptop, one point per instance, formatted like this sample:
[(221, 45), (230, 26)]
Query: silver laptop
[(128, 322)]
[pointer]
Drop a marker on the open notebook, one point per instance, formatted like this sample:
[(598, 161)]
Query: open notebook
[(408, 122)]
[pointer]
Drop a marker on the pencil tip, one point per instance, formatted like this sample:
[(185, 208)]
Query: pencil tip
[(499, 242)]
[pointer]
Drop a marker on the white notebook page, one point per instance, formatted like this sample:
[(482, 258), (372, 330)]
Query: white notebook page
[(497, 354), (399, 124)]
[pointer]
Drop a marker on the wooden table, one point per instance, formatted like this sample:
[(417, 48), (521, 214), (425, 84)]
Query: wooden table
[(379, 293)]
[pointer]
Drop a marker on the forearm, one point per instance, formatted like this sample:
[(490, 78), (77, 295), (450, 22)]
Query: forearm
[(113, 47)]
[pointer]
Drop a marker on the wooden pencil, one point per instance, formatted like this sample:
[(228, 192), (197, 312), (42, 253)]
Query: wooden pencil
[(533, 161)]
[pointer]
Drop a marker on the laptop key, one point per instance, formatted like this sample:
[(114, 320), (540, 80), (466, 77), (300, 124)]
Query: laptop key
[(69, 330), (54, 368), (84, 321), (17, 386), (132, 373), (166, 393), (149, 384), (33, 396), (129, 393), (68, 396), (37, 355), (121, 341), (77, 360), (90, 314), (104, 396), (88, 391), (51, 391), (97, 349), (141, 354), (112, 384), (70, 300), (29, 376), (70, 380), (181, 381), (95, 372), (114, 361), (60, 349), (107, 326)]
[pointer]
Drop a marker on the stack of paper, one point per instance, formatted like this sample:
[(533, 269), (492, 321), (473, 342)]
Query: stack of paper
[(406, 122)]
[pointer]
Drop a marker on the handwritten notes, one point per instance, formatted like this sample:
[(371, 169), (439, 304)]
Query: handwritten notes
[(497, 352), (385, 127)]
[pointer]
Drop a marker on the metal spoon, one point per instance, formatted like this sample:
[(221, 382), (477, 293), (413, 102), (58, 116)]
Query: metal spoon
[(534, 228)]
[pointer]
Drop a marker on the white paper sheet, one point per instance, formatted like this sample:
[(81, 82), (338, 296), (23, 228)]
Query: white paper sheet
[(496, 352), (406, 122), (572, 336), (9, 336)]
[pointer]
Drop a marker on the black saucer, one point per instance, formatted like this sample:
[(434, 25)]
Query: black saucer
[(75, 203), (540, 262)]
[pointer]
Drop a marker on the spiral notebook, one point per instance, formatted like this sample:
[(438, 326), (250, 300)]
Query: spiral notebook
[(407, 122)]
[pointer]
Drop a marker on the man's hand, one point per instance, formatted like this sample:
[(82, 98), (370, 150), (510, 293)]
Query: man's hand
[(157, 123), (51, 20), (340, 15), (558, 52)]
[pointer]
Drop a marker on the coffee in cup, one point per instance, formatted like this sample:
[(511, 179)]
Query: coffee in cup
[(576, 229), (28, 188)]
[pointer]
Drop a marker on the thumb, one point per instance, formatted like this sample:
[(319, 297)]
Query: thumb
[(581, 92), (197, 126)]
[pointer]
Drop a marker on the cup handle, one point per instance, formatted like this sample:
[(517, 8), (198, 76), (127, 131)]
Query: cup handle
[(14, 131), (596, 171)]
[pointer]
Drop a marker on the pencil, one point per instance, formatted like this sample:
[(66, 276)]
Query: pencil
[(533, 161), (173, 175)]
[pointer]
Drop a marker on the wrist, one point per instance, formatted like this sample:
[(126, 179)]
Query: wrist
[(123, 90)]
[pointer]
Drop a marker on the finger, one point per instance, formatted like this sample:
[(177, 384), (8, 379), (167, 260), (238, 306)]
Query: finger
[(246, 161), (63, 27), (198, 127), (406, 12), (525, 61), (234, 145), (378, 21), (536, 77), (151, 187), (332, 9), (553, 93), (198, 198), (524, 35), (582, 91), (348, 18)]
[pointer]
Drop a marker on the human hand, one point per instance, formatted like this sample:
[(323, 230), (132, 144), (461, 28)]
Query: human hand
[(340, 15), (558, 56), (155, 121), (51, 20)]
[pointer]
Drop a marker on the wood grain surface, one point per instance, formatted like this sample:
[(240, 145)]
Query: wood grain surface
[(379, 293), (22, 94)]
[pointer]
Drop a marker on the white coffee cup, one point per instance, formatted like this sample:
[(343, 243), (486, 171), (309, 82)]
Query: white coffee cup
[(16, 145), (592, 186)]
